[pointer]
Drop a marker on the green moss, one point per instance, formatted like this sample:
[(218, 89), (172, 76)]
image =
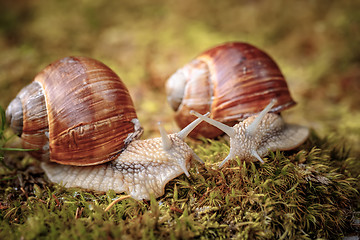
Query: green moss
[(301, 194)]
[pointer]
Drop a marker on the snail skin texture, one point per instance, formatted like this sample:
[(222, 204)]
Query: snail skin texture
[(142, 169), (232, 81), (252, 138), (79, 117)]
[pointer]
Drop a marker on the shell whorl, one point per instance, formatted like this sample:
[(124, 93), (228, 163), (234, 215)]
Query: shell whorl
[(232, 81), (14, 116), (78, 111), (28, 118)]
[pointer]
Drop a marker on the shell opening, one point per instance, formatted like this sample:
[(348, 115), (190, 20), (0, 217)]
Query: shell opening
[(138, 131)]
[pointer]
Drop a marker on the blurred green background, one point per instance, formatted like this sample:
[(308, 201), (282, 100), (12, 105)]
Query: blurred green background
[(315, 43)]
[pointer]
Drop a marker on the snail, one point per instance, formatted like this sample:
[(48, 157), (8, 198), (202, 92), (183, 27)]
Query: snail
[(232, 81), (252, 138), (80, 118)]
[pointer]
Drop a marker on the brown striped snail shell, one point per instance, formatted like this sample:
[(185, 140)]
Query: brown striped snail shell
[(232, 81), (71, 107), (79, 116)]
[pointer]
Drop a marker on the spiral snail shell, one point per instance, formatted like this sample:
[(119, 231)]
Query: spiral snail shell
[(79, 117), (71, 107), (232, 81)]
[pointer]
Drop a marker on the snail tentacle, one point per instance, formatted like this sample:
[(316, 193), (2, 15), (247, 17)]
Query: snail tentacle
[(228, 157), (166, 142), (225, 128), (255, 154), (251, 129), (186, 130), (196, 157)]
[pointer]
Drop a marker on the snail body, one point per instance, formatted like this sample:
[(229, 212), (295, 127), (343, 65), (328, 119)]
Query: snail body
[(79, 117), (232, 81), (251, 139), (141, 170)]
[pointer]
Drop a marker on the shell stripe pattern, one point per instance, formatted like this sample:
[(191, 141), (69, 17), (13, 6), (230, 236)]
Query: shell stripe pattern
[(86, 126), (35, 122), (258, 80)]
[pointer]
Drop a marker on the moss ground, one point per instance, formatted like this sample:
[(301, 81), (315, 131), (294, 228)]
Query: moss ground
[(302, 194)]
